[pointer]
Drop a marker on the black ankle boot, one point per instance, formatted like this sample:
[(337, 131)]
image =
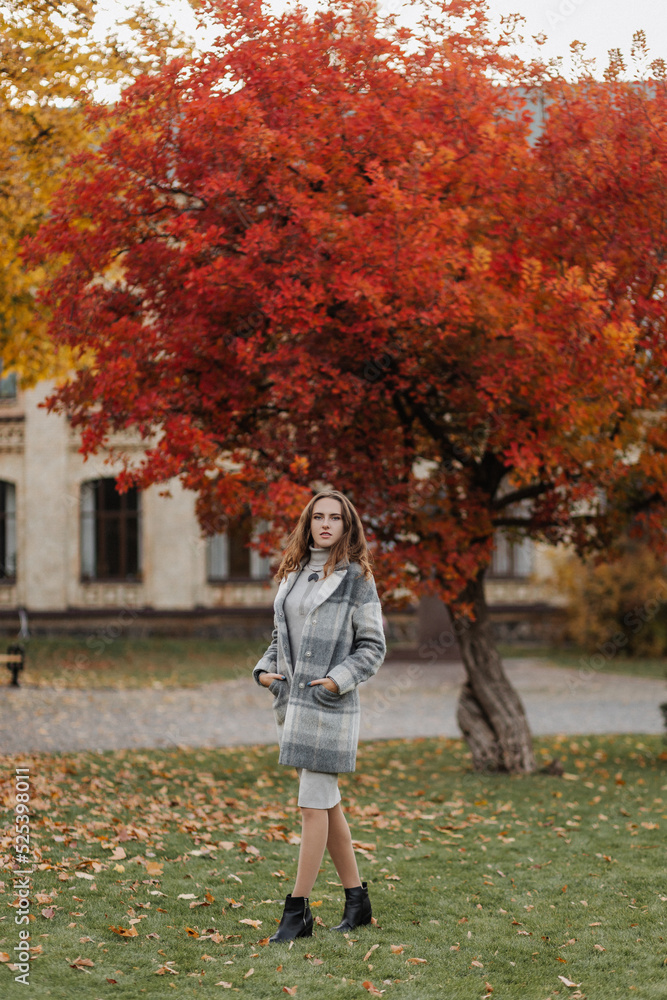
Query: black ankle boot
[(296, 921), (357, 909)]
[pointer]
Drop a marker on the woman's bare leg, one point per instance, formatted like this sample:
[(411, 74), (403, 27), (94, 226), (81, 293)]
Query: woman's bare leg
[(339, 845), (314, 833)]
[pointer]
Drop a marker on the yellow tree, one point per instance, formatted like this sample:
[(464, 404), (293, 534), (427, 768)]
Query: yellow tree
[(51, 63)]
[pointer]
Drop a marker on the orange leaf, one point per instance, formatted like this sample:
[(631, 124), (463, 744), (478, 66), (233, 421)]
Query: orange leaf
[(290, 989), (82, 963), (373, 990), (125, 931)]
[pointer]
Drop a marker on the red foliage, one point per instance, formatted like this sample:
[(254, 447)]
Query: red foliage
[(330, 253)]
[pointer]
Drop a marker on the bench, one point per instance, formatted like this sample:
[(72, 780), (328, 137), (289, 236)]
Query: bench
[(14, 660)]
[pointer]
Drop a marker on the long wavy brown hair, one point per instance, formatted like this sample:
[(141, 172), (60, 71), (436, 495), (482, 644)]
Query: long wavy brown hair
[(350, 547)]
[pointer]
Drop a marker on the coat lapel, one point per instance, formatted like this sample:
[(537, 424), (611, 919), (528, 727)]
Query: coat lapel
[(325, 591), (328, 586)]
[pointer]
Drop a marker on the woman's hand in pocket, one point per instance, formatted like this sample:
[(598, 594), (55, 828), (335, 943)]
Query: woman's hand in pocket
[(326, 682), (266, 678)]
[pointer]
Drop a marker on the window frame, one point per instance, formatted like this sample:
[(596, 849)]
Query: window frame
[(94, 540), (258, 566), (8, 538)]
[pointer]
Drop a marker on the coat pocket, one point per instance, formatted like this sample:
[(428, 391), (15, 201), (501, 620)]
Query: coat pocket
[(326, 698), (280, 691)]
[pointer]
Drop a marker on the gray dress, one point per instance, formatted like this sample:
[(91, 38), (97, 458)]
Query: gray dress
[(317, 789)]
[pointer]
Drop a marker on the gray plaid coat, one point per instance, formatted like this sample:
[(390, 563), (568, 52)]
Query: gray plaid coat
[(343, 638)]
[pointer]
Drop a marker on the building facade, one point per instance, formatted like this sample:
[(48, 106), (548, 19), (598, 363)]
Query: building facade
[(72, 549)]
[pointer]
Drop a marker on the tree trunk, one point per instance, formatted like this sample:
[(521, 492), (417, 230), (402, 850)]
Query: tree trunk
[(490, 712)]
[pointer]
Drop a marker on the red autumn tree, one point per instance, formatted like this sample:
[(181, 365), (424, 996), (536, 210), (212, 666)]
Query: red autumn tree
[(329, 251)]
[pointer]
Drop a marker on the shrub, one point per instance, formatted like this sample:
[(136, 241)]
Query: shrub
[(617, 607)]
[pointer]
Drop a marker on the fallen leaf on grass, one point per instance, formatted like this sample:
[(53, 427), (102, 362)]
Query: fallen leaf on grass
[(478, 965), (4, 957), (599, 947), (225, 985), (251, 923), (290, 989), (186, 895), (165, 968), (48, 912), (191, 932), (370, 951), (154, 868), (417, 961), (373, 990), (249, 973), (568, 982), (82, 963), (397, 949), (125, 931)]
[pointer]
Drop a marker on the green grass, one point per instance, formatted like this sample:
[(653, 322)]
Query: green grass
[(582, 659), (503, 880), (121, 662), (137, 662)]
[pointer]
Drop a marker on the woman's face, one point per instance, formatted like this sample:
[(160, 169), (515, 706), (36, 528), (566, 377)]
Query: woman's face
[(326, 522)]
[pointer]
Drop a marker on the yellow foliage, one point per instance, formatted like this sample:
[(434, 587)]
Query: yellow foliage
[(51, 63), (620, 605)]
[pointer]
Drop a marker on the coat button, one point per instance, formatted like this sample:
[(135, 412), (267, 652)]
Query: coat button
[(302, 685), (309, 653)]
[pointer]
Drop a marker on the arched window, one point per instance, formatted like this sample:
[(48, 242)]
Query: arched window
[(229, 556), (7, 531), (110, 532)]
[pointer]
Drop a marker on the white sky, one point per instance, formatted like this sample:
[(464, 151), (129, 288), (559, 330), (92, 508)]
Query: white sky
[(601, 24)]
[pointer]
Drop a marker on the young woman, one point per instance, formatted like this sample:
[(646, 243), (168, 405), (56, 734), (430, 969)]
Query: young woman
[(328, 638)]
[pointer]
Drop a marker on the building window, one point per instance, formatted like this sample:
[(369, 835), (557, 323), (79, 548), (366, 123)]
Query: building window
[(8, 387), (7, 532), (229, 556), (110, 532), (511, 559)]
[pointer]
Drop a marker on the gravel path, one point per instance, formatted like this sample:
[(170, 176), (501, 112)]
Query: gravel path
[(403, 700)]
